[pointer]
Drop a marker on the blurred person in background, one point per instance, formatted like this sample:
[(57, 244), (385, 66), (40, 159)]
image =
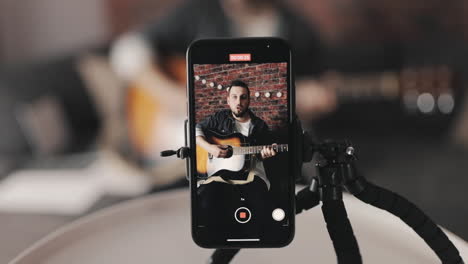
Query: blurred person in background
[(152, 63)]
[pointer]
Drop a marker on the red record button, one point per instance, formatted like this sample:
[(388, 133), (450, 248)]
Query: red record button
[(242, 215)]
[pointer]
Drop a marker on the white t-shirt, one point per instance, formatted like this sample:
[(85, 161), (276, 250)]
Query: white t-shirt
[(258, 169), (243, 127)]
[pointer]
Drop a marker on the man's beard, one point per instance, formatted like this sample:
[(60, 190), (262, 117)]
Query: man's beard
[(240, 114)]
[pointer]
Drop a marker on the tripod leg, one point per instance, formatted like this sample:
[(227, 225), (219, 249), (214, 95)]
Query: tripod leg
[(222, 256), (341, 233), (413, 217), (308, 197)]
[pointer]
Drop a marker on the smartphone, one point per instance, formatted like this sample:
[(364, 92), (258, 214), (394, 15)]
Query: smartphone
[(241, 166)]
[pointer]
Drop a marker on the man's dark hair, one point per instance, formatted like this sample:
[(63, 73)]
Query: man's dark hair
[(239, 83)]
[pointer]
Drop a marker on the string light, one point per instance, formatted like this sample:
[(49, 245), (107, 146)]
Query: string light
[(426, 103), (220, 87), (446, 103)]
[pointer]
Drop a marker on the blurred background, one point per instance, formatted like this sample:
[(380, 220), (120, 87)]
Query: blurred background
[(92, 91)]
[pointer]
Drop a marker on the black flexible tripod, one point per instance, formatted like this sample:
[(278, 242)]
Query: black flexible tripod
[(336, 169)]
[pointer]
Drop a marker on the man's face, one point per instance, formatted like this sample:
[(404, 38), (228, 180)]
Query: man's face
[(238, 100)]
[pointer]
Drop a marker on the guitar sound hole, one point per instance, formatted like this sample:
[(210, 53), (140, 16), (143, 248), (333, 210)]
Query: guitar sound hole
[(230, 151)]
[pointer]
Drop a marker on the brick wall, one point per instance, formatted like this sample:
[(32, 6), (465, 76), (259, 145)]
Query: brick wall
[(262, 78)]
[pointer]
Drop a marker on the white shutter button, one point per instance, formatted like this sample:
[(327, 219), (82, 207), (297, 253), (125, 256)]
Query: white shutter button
[(278, 214)]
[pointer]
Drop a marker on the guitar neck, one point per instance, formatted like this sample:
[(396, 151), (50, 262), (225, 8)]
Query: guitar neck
[(258, 149)]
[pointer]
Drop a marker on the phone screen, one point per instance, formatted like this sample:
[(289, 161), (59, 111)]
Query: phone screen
[(242, 178)]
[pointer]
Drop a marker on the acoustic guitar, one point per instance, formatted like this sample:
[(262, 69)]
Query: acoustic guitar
[(237, 165), (154, 121)]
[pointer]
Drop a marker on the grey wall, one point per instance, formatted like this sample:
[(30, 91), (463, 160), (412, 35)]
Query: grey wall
[(31, 29)]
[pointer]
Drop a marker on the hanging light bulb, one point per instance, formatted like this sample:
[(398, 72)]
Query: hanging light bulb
[(446, 103), (426, 103)]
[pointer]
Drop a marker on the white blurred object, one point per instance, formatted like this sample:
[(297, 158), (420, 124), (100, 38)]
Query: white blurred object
[(116, 178), (49, 191), (130, 56), (71, 191), (157, 229)]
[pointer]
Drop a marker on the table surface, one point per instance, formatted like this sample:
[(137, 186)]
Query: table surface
[(157, 228)]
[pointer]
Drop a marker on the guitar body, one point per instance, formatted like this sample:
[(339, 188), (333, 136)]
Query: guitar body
[(235, 167), (145, 110), (150, 123)]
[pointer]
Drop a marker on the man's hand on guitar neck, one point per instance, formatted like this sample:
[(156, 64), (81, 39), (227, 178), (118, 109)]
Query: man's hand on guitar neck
[(268, 152)]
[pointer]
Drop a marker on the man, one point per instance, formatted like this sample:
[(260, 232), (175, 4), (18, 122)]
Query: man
[(239, 118), (219, 195)]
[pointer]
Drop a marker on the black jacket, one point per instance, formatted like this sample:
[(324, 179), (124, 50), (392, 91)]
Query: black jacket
[(224, 123)]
